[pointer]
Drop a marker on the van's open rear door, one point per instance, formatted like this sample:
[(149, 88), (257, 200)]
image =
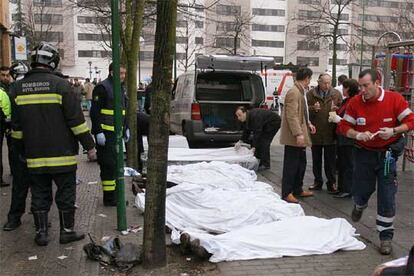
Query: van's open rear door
[(234, 63)]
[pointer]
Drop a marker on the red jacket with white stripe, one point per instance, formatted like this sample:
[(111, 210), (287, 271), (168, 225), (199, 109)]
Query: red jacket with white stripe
[(389, 110)]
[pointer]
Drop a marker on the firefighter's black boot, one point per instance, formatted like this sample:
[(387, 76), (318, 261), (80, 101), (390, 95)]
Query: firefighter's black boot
[(109, 198), (67, 222), (40, 219)]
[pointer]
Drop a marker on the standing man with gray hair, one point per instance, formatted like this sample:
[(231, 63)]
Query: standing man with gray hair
[(322, 100)]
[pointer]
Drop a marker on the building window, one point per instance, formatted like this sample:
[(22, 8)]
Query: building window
[(180, 56), (47, 3), (226, 42), (181, 40), (379, 18), (182, 24), (199, 24), (48, 19), (305, 14), (382, 3), (308, 30), (339, 47), (93, 20), (94, 53), (199, 8), (340, 31), (268, 12), (278, 60), (268, 43), (199, 41), (94, 37), (225, 26), (50, 36), (340, 2), (309, 61), (228, 10), (146, 55), (268, 28), (310, 2), (365, 61), (308, 45), (339, 61), (344, 17)]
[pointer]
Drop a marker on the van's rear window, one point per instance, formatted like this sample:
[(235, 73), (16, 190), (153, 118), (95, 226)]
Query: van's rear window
[(214, 86)]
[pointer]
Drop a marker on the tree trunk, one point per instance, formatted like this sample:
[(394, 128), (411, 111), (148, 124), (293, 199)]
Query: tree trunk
[(154, 254), (132, 34)]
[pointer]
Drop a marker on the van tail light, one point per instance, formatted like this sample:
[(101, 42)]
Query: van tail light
[(264, 106), (195, 112)]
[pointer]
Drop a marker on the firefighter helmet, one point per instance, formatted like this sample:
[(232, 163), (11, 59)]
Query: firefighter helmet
[(18, 70), (45, 54)]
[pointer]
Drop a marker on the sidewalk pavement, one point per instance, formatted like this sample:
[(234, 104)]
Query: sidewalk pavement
[(325, 206), (17, 246)]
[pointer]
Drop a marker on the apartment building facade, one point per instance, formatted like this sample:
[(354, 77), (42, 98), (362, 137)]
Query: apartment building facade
[(277, 28), (4, 34)]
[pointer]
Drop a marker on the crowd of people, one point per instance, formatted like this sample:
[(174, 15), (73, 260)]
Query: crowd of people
[(355, 132), (43, 121), (361, 128)]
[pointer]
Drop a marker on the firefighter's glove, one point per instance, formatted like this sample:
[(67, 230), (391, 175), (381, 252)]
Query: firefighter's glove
[(127, 135), (100, 139), (386, 133)]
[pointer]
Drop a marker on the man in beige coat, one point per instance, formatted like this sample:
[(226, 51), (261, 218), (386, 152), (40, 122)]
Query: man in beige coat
[(295, 136)]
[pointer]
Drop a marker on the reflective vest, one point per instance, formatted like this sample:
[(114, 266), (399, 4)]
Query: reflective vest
[(48, 118), (102, 112)]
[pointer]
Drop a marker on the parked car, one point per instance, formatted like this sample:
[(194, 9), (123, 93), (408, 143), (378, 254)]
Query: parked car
[(204, 101)]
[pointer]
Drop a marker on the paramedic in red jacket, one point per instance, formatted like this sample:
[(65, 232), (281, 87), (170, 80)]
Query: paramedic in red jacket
[(376, 119)]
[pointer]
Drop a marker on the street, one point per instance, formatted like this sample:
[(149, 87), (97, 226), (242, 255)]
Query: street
[(17, 246)]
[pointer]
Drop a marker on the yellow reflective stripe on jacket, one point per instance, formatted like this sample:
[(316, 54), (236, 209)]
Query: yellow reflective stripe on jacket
[(50, 98), (17, 134), (51, 162), (82, 128), (108, 185), (110, 111), (107, 127)]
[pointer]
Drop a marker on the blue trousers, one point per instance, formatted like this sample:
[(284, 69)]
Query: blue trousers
[(369, 175)]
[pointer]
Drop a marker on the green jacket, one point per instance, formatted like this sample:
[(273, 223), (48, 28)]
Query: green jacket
[(5, 104)]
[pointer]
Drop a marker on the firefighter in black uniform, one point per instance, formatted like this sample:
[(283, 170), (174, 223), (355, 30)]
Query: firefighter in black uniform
[(48, 117), (21, 179), (102, 117)]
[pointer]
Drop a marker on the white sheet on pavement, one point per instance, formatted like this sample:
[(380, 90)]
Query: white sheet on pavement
[(296, 236), (180, 153), (251, 220)]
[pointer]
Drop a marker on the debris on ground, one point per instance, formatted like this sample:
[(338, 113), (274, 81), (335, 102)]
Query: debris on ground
[(32, 258), (113, 252)]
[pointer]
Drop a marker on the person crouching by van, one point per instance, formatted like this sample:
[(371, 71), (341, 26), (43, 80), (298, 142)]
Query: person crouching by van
[(264, 125)]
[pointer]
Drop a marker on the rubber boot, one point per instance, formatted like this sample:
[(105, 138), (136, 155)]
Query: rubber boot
[(109, 198), (67, 222), (40, 219)]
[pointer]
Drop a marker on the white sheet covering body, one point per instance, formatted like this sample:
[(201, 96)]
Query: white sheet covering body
[(180, 153), (250, 219)]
